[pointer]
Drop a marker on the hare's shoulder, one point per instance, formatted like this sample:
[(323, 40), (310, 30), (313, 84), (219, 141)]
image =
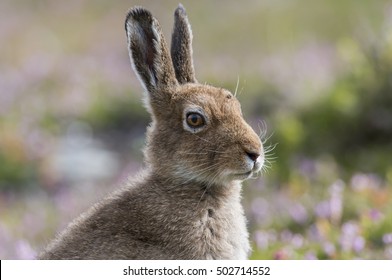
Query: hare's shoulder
[(119, 226)]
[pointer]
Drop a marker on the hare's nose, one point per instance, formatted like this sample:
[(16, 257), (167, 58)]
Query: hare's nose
[(253, 156)]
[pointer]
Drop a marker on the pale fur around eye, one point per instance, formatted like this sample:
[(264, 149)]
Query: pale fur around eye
[(194, 119)]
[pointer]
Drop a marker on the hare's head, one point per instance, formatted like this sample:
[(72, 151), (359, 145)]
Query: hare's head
[(197, 131)]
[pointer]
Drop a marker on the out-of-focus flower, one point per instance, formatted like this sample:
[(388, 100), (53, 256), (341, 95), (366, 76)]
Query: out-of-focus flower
[(350, 240), (329, 248), (358, 244), (388, 252), (286, 236), (387, 238), (299, 213), (314, 233), (24, 250), (333, 207), (282, 254), (375, 215), (307, 167), (360, 182), (260, 210), (297, 241), (261, 239), (323, 210), (310, 255), (336, 201), (5, 238)]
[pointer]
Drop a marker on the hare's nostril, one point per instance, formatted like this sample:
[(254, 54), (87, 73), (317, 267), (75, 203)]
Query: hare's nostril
[(253, 156)]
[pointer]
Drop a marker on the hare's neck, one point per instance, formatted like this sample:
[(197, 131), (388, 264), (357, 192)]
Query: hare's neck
[(197, 190)]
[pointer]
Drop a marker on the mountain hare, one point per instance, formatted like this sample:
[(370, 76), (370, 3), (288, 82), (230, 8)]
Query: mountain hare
[(186, 203)]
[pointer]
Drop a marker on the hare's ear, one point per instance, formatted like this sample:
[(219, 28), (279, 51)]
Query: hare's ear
[(181, 47), (149, 55)]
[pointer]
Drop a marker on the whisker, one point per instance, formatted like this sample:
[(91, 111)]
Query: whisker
[(211, 181), (202, 138), (210, 166), (186, 153), (215, 151), (236, 87), (262, 129), (201, 172), (270, 148), (266, 169), (242, 88)]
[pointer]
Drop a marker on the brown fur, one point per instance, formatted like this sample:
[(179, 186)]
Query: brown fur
[(186, 203)]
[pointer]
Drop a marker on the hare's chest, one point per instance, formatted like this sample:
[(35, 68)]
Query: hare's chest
[(224, 233)]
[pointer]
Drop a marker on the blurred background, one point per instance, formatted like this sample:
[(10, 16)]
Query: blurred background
[(316, 75)]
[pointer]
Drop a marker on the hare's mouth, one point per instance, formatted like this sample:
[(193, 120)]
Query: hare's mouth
[(243, 176)]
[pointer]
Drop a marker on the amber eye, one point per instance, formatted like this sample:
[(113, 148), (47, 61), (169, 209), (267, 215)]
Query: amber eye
[(194, 120)]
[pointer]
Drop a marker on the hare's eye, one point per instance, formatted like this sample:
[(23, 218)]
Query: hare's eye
[(195, 120)]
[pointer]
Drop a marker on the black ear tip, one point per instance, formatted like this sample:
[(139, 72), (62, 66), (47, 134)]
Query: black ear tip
[(137, 14), (180, 11)]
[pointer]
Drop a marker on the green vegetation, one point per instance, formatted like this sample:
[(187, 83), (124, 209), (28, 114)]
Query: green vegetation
[(317, 74)]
